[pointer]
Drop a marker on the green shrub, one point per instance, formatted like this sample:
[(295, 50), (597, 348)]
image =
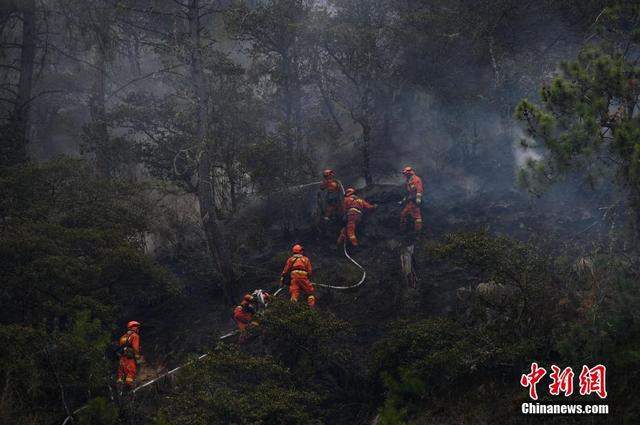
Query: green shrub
[(230, 386), (99, 411)]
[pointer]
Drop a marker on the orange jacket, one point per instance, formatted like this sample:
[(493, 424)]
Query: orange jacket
[(243, 313), (354, 204), (414, 187), (297, 262), (133, 341)]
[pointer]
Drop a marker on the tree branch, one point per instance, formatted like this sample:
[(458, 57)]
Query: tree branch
[(144, 77)]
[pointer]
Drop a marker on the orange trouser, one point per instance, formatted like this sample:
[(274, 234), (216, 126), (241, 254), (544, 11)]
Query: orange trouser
[(302, 285), (413, 210), (353, 219), (127, 370)]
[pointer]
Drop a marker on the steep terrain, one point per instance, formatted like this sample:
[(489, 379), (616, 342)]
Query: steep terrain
[(385, 296)]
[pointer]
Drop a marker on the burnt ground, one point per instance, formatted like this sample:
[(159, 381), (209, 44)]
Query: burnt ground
[(385, 297)]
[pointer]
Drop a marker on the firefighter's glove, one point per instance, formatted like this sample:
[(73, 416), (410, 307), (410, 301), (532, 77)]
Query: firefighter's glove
[(281, 280), (418, 199), (254, 324)]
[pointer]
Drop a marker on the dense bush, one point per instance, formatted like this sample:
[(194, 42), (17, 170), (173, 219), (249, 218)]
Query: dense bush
[(74, 270), (231, 386), (529, 306), (294, 368)]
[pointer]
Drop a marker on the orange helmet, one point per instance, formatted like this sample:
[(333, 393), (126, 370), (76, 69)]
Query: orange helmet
[(349, 191), (247, 297), (133, 324), (408, 170), (328, 173), (297, 249)]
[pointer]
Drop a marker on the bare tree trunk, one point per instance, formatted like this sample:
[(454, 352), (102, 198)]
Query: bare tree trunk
[(387, 134), (296, 98), (292, 105), (99, 133), (233, 175), (365, 120), (366, 154), (205, 189), (288, 107), (406, 264), (18, 137), (328, 105)]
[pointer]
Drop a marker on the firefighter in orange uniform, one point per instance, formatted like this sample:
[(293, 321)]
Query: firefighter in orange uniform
[(354, 208), (298, 269), (413, 199), (329, 195), (243, 314), (129, 353)]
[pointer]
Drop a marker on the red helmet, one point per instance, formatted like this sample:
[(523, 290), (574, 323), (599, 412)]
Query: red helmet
[(297, 249), (349, 191), (328, 173), (133, 324), (408, 170), (247, 297)]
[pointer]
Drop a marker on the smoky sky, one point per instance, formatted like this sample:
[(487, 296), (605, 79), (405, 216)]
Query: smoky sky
[(452, 119)]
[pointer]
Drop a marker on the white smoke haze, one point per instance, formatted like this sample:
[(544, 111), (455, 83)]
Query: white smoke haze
[(523, 150), (462, 139)]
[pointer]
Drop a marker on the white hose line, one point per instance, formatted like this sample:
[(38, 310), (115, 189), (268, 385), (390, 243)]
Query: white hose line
[(299, 186), (362, 279), (164, 375), (75, 412), (172, 371)]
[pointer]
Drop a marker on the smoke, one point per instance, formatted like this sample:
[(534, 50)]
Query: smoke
[(522, 152), (453, 122), (459, 131)]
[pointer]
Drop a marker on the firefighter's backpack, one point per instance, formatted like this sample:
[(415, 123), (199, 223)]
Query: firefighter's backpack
[(125, 349)]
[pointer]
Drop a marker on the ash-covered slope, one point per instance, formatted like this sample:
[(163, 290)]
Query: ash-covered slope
[(386, 296)]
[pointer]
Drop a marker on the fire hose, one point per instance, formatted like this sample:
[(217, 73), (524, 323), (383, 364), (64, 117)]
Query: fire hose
[(232, 333), (360, 282), (156, 379)]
